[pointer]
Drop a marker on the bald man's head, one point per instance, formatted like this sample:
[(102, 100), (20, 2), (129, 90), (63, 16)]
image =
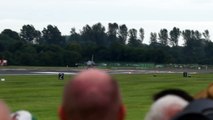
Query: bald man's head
[(4, 111), (92, 94)]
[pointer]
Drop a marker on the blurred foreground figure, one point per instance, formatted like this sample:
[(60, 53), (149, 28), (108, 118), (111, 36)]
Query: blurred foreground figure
[(92, 95), (22, 115), (4, 111), (205, 93), (166, 108), (200, 109)]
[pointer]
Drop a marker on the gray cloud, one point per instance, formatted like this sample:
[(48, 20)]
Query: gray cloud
[(76, 13)]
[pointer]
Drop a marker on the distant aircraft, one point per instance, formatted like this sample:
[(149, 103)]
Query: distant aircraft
[(90, 63)]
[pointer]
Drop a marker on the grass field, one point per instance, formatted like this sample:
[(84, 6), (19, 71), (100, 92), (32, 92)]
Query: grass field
[(42, 94)]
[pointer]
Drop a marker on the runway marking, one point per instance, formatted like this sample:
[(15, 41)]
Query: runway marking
[(55, 73), (33, 72)]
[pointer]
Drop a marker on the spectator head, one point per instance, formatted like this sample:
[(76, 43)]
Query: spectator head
[(92, 95), (22, 115), (178, 92), (166, 107), (201, 109), (4, 111)]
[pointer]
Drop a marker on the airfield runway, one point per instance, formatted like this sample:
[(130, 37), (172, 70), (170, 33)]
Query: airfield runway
[(114, 71)]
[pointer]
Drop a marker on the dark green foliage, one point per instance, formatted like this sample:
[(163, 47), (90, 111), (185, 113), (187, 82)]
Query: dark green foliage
[(133, 41), (174, 35), (52, 35), (153, 38), (93, 35), (112, 33), (98, 34), (163, 37), (141, 30), (74, 37), (30, 34), (12, 34), (71, 58), (194, 46), (7, 38), (122, 34), (50, 48), (206, 35)]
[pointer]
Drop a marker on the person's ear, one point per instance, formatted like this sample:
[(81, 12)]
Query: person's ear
[(122, 112), (61, 113)]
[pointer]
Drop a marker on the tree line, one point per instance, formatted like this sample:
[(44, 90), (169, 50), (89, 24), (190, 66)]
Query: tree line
[(117, 43)]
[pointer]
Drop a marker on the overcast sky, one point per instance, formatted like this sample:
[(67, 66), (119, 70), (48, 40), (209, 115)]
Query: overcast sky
[(152, 15)]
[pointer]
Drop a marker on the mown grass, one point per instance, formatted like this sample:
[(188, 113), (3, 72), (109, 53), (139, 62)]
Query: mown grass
[(42, 94)]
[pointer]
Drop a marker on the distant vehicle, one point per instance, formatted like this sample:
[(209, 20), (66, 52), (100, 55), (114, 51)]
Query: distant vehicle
[(3, 62)]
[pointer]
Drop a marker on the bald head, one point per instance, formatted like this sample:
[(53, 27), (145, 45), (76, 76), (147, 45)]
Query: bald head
[(92, 94), (4, 111)]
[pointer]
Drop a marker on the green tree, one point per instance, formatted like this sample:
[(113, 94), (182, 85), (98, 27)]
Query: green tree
[(94, 35), (52, 35), (12, 34), (206, 35), (71, 58), (122, 34), (8, 38), (208, 53), (86, 34), (197, 35), (2, 47), (98, 33), (88, 50), (112, 29), (76, 47), (74, 36), (116, 52), (194, 49), (187, 35), (133, 41), (112, 32), (141, 31), (16, 46), (30, 34), (153, 38), (103, 54), (174, 36), (163, 37)]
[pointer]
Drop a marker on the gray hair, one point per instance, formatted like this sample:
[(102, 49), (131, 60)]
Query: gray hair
[(166, 107)]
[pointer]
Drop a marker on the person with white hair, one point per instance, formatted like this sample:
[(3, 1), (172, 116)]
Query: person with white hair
[(166, 108), (22, 115)]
